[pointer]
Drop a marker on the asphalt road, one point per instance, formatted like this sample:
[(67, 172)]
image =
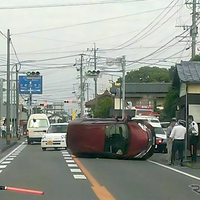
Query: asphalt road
[(56, 173)]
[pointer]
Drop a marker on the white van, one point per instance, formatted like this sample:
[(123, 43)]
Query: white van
[(36, 127)]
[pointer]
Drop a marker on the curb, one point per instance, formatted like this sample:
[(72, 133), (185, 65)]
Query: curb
[(7, 147)]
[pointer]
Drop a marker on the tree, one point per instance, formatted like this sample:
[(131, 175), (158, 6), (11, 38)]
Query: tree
[(196, 58), (103, 108), (170, 104), (147, 75)]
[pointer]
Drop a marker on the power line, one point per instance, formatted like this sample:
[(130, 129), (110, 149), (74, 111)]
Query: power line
[(90, 22)]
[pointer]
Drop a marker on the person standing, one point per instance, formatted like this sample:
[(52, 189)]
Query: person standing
[(169, 140), (193, 131), (178, 134)]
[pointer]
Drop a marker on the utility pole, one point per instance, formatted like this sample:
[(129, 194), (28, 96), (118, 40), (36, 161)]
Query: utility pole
[(192, 4), (123, 63), (193, 30), (82, 89), (95, 79), (8, 90)]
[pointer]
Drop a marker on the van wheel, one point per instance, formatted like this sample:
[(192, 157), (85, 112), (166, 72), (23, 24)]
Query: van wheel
[(29, 141), (44, 149)]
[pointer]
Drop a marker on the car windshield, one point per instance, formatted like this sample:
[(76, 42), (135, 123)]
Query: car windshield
[(38, 123), (159, 130), (57, 129)]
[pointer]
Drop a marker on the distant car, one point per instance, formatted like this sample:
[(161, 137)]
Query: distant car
[(55, 136), (165, 125), (111, 137)]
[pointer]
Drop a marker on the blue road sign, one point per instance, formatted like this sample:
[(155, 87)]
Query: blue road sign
[(30, 85)]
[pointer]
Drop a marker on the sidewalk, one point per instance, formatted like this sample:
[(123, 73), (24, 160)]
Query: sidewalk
[(4, 146), (161, 158)]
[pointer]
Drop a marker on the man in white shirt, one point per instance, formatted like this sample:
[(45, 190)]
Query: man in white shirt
[(193, 131), (178, 134)]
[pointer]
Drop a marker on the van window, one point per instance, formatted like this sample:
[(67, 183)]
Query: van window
[(37, 123)]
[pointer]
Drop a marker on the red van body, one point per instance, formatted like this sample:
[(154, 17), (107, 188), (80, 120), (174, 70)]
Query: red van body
[(129, 139)]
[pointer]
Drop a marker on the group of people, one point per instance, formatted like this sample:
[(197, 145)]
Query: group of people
[(176, 139)]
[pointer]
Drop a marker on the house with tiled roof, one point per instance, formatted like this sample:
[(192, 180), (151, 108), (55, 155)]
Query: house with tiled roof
[(186, 82)]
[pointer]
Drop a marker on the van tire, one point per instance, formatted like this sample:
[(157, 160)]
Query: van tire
[(29, 141), (43, 149)]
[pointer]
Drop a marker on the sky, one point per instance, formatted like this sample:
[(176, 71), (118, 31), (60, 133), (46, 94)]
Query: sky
[(49, 36)]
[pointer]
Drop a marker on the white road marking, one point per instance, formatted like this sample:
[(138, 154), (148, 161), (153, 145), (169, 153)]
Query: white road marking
[(75, 170), (1, 171), (66, 155), (72, 165), (70, 161), (11, 152), (178, 171), (67, 158), (3, 166), (6, 162), (79, 176), (13, 156), (9, 158)]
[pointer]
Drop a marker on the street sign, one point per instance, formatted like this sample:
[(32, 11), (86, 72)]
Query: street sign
[(30, 86)]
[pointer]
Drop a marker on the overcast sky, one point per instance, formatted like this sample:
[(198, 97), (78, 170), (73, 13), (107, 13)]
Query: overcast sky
[(50, 35)]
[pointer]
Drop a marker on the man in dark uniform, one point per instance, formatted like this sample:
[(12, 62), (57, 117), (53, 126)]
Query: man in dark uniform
[(193, 131)]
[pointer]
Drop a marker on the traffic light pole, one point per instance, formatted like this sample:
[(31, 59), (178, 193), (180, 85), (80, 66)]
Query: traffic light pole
[(17, 102)]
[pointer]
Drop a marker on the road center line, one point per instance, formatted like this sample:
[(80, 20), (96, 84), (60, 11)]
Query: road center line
[(101, 192), (178, 171)]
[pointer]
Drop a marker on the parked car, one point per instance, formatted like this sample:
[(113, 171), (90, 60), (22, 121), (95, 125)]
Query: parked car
[(55, 136), (36, 127), (165, 125), (161, 139), (111, 137)]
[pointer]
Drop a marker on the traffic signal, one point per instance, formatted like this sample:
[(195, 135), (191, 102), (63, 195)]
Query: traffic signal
[(32, 74), (94, 73), (69, 101), (44, 104)]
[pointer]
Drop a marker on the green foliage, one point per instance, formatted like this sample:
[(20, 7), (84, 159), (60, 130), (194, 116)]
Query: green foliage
[(196, 58), (147, 75), (170, 104), (103, 108)]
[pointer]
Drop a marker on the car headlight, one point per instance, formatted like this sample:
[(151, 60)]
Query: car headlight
[(62, 136), (44, 137)]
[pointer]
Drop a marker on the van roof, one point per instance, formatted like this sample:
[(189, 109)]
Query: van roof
[(38, 116)]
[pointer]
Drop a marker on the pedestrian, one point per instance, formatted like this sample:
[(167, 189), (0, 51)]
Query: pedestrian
[(178, 136), (3, 129), (169, 140), (193, 132)]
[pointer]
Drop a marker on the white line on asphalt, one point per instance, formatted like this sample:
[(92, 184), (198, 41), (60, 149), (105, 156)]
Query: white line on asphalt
[(10, 159), (3, 166), (1, 171), (79, 176), (6, 162), (67, 158), (72, 165), (11, 152), (75, 170), (70, 161), (178, 171)]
